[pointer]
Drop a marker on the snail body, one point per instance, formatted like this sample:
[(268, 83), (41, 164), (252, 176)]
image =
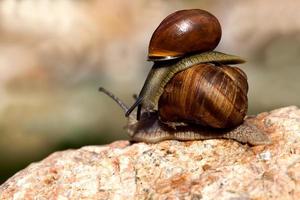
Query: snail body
[(150, 129), (190, 93)]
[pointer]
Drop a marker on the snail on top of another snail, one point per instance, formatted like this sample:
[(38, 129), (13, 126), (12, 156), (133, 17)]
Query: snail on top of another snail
[(191, 93)]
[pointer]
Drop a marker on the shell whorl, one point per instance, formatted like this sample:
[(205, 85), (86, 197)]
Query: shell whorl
[(205, 94)]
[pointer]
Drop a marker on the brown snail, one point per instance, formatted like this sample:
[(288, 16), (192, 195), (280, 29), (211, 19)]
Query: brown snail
[(184, 32), (190, 92)]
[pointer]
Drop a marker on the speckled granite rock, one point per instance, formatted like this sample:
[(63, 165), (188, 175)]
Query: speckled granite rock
[(211, 169)]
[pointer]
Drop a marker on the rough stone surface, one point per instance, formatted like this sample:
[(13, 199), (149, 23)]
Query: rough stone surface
[(211, 169)]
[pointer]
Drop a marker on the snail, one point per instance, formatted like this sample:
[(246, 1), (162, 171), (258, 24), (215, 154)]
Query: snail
[(191, 93), (183, 39)]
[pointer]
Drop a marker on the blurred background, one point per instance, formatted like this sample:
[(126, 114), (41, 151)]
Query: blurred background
[(54, 54)]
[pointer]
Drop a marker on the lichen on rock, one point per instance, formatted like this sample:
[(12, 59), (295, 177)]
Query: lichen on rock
[(210, 169)]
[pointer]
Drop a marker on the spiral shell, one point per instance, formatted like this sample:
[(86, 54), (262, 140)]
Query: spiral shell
[(205, 94)]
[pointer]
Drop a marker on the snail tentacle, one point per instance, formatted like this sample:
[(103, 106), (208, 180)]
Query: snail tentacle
[(115, 98)]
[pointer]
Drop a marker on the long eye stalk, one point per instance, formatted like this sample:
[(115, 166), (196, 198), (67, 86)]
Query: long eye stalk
[(137, 103), (116, 99)]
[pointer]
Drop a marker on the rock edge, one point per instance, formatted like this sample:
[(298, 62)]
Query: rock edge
[(210, 169)]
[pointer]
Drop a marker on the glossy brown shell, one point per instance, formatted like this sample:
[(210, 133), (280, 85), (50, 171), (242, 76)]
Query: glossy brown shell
[(184, 32), (214, 96)]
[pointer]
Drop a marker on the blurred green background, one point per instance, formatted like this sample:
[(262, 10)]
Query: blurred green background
[(55, 54)]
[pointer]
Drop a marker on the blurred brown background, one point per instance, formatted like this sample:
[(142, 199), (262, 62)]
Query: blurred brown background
[(55, 54)]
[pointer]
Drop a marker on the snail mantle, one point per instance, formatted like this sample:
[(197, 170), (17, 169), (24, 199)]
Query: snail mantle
[(209, 169)]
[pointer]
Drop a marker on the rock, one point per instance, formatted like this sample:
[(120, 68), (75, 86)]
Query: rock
[(211, 169)]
